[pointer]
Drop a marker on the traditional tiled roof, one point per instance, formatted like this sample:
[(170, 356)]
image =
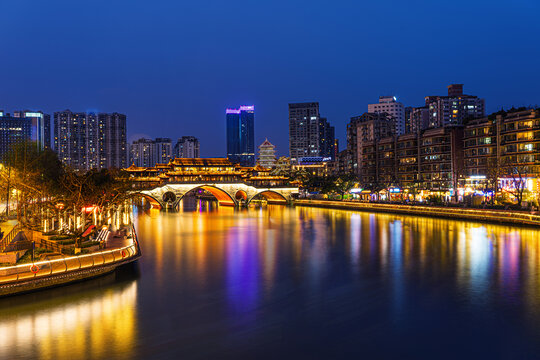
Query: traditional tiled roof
[(202, 162), (135, 168), (266, 143)]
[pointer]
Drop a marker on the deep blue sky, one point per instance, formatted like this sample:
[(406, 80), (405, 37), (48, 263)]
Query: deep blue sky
[(174, 66)]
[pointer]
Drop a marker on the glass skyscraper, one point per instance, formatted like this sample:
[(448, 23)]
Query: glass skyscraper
[(13, 130), (240, 135)]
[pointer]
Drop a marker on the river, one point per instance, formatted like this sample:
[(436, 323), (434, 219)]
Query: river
[(295, 283)]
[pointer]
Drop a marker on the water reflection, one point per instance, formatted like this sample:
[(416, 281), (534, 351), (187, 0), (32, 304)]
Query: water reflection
[(274, 279), (99, 325)]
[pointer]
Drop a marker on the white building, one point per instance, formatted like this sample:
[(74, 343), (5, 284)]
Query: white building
[(163, 150), (390, 106), (187, 147), (142, 153)]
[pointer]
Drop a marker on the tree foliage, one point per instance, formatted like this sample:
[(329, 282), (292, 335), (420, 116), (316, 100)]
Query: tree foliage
[(40, 183)]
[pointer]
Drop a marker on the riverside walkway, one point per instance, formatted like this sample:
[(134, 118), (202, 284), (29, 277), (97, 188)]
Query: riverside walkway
[(482, 215)]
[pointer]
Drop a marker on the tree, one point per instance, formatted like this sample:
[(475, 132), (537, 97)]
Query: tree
[(344, 183), (104, 188), (493, 173), (34, 174), (43, 186), (518, 179)]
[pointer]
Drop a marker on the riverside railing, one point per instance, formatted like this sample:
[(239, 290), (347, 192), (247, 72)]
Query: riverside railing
[(6, 240), (43, 268)]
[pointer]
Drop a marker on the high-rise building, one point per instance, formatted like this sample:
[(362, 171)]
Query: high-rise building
[(390, 106), (113, 140), (41, 127), (187, 147), (303, 130), (87, 141), (327, 140), (70, 139), (13, 130), (267, 154), (418, 119), (240, 135), (163, 150), (453, 109), (309, 134), (142, 153), (368, 127)]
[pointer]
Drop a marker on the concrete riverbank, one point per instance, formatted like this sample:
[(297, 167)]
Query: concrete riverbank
[(492, 216)]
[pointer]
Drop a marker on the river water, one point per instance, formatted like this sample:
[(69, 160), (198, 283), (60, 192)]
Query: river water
[(295, 283)]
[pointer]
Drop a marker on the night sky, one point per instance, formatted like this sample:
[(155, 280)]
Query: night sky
[(174, 66)]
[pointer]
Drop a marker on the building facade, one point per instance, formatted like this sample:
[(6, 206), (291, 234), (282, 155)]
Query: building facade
[(87, 141), (163, 150), (389, 105), (142, 153), (454, 108), (13, 130), (241, 136), (441, 158), (418, 119), (327, 140), (187, 147), (309, 134), (503, 149), (366, 128), (41, 127), (431, 160), (112, 140)]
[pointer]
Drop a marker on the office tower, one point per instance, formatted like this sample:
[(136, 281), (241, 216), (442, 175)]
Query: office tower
[(453, 109), (86, 141), (163, 150), (267, 154), (309, 134), (326, 139), (390, 106), (187, 147), (13, 130), (303, 130), (41, 127), (240, 135), (142, 153)]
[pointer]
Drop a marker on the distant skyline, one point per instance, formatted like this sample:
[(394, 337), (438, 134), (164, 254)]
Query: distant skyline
[(174, 67)]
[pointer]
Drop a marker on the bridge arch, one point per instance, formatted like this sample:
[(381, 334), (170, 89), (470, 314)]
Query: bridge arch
[(222, 196), (241, 194), (154, 203), (271, 196)]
